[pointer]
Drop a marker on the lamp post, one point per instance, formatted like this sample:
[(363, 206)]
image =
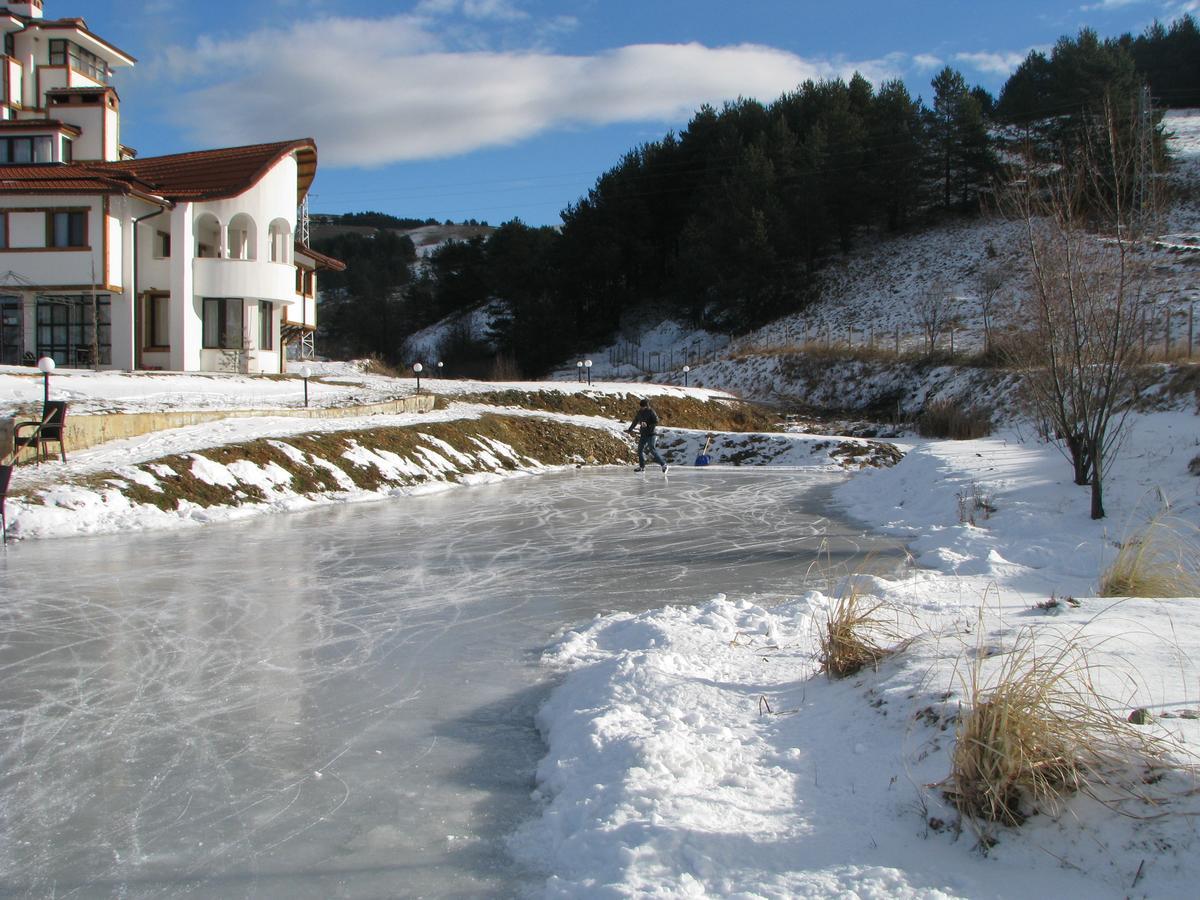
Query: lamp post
[(45, 366), (306, 373), (579, 371), (440, 364), (686, 369), (587, 364), (417, 368)]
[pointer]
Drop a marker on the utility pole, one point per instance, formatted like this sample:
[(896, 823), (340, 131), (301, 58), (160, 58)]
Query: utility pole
[(1142, 188)]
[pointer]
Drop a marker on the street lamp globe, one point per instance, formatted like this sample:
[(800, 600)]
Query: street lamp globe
[(418, 368), (46, 366)]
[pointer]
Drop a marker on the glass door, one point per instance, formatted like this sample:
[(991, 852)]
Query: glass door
[(12, 323)]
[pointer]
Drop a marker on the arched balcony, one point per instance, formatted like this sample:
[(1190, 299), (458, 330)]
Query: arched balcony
[(243, 237), (208, 237), (281, 241)]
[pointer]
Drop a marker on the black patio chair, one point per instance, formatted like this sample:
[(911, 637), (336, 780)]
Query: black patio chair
[(51, 429), (5, 477)]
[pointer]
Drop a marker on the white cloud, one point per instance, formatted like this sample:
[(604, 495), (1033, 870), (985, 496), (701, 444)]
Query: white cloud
[(928, 61), (1110, 4), (374, 92), (1003, 64), (479, 10)]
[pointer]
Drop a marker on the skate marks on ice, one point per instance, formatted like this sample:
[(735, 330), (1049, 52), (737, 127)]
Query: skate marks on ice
[(338, 702)]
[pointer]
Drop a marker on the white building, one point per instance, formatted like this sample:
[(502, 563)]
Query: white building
[(187, 262)]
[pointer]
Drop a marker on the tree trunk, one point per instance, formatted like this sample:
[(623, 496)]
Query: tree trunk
[(1097, 483), (1077, 447)]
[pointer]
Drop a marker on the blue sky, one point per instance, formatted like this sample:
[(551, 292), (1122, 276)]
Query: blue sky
[(494, 109)]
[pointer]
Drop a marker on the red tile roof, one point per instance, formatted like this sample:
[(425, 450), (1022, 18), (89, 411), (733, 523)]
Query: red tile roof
[(38, 124), (322, 261), (181, 177)]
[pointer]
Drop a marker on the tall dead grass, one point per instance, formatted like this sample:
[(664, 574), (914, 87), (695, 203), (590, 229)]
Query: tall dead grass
[(1160, 560), (858, 632), (1039, 732)]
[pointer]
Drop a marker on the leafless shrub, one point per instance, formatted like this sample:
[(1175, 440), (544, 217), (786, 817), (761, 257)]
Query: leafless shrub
[(973, 505), (1082, 232)]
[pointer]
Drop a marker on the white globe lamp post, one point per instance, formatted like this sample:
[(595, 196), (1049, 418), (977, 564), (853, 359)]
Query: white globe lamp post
[(45, 366)]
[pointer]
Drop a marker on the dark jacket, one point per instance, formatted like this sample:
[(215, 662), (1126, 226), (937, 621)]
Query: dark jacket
[(646, 419)]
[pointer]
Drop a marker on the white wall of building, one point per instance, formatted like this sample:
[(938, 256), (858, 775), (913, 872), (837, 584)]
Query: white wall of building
[(52, 267), (185, 313)]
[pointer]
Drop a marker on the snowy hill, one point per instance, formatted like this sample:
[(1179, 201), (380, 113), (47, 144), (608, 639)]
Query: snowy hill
[(869, 298)]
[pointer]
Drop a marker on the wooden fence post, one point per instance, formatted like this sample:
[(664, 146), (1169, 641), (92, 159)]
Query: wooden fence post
[(1191, 324)]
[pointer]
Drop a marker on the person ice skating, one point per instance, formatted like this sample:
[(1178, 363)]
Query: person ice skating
[(646, 421)]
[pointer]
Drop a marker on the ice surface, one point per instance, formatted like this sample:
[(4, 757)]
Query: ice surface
[(340, 703)]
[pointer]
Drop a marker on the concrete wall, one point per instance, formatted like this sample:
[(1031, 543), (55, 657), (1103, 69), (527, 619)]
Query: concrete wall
[(89, 430)]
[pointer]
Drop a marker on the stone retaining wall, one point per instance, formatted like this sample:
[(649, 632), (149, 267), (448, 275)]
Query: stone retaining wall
[(88, 430)]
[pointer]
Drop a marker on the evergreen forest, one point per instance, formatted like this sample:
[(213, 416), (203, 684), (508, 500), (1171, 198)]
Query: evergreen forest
[(725, 223)]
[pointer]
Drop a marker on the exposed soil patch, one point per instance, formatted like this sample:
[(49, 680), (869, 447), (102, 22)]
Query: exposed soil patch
[(674, 412), (375, 460)]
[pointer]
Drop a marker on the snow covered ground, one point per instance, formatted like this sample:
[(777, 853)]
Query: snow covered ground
[(694, 751)]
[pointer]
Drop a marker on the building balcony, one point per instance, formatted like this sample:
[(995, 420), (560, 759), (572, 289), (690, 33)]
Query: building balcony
[(250, 278)]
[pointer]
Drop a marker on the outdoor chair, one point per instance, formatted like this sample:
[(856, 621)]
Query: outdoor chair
[(49, 430), (5, 477)]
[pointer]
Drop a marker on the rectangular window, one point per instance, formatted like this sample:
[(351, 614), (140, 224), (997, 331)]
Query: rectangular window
[(223, 328), (68, 150), (36, 149), (266, 333), (4, 231), (162, 245), (66, 229), (158, 321), (68, 53), (65, 329)]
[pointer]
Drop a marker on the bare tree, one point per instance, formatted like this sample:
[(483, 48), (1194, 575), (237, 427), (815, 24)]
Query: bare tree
[(988, 283), (933, 312), (1081, 239)]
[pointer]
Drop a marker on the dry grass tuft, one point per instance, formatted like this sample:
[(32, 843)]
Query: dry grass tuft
[(1039, 734), (856, 635), (955, 420), (1161, 560)]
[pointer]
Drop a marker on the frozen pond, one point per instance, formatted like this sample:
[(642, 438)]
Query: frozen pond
[(339, 703)]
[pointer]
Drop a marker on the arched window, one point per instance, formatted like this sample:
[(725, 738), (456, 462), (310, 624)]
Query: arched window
[(208, 236), (242, 237), (281, 241)]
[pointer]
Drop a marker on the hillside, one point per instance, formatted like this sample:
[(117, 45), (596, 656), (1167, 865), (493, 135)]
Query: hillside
[(426, 238), (868, 303)]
